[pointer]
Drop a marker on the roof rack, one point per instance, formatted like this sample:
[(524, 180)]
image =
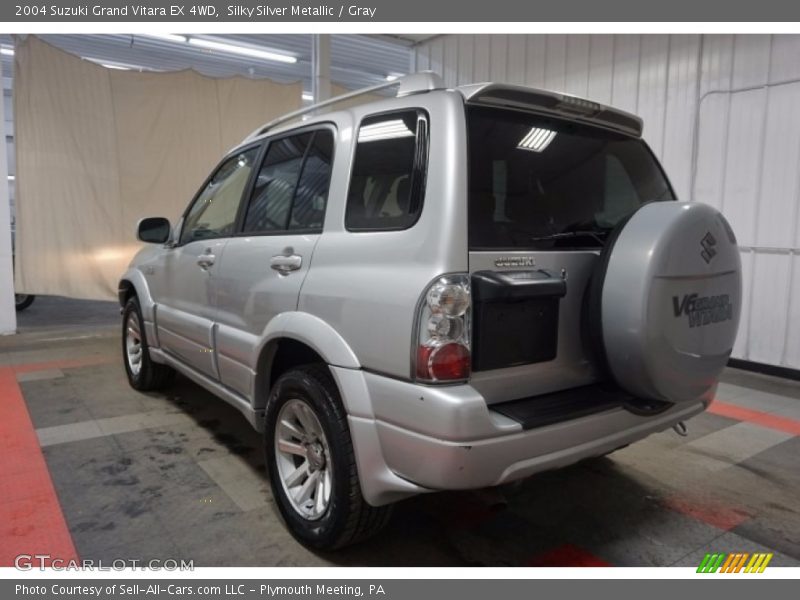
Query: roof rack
[(416, 83)]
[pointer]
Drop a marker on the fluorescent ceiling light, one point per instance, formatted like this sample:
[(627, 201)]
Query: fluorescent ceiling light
[(11, 178), (243, 50), (308, 96), (119, 66), (6, 51), (384, 131), (170, 37), (537, 139)]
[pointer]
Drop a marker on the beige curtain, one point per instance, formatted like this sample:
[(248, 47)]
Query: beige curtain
[(97, 149)]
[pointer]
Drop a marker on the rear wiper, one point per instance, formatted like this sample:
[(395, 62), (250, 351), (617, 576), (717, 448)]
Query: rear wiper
[(597, 235)]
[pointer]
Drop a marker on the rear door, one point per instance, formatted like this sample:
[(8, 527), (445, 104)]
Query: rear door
[(184, 284), (544, 193), (266, 262)]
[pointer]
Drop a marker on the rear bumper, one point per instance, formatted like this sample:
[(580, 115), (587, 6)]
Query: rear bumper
[(441, 464), (412, 439)]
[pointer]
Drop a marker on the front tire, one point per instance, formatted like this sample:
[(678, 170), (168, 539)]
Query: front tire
[(143, 374), (311, 463)]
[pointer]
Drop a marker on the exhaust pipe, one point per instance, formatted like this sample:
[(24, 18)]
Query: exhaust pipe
[(680, 429)]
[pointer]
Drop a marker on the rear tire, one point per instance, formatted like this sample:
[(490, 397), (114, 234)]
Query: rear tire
[(305, 415), (23, 301), (143, 374)]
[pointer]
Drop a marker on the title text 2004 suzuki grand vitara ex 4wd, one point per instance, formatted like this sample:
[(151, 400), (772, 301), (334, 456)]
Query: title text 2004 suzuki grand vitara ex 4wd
[(442, 290)]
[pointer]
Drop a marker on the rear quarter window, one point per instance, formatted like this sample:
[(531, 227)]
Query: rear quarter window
[(388, 177)]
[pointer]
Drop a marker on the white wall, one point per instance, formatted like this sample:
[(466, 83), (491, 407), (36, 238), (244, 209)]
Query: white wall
[(723, 114)]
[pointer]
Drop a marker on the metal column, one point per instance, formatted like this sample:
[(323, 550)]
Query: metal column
[(321, 66), (8, 316)]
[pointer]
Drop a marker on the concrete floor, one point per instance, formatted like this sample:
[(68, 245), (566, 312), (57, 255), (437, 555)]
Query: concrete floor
[(180, 475), (53, 314)]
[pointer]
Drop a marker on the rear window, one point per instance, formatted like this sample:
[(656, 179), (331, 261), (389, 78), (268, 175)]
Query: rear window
[(543, 183), (388, 178)]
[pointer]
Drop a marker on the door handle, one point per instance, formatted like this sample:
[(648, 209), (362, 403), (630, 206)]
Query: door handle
[(286, 264), (206, 260)]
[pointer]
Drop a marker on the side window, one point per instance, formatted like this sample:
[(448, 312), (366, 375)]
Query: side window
[(291, 189), (388, 179), (275, 185), (308, 209), (213, 213)]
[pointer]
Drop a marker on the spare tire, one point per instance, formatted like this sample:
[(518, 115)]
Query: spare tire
[(664, 301)]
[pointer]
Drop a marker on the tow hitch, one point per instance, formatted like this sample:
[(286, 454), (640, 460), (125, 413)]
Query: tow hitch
[(680, 429)]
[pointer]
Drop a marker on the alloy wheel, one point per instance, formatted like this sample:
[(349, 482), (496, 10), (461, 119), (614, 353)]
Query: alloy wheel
[(302, 455), (133, 344)]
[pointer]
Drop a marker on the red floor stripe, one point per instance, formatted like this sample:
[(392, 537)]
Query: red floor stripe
[(67, 363), (756, 417), (31, 521), (716, 515), (567, 556)]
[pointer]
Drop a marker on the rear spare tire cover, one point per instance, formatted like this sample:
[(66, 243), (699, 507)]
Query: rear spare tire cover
[(669, 289)]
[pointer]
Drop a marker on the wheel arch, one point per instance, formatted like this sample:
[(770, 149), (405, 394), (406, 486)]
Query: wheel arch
[(293, 339), (133, 283)]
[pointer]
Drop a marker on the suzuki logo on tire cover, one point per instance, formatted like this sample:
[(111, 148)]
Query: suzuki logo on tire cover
[(708, 242)]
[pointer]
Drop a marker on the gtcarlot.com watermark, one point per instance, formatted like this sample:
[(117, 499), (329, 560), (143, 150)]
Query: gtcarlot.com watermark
[(29, 562)]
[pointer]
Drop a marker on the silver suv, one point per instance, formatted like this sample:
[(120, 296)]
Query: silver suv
[(442, 290)]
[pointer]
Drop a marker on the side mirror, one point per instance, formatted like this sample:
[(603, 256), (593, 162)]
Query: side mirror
[(153, 230)]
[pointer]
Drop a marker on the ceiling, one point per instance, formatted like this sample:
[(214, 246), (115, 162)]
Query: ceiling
[(356, 60)]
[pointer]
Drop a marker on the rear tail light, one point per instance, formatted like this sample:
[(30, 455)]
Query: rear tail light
[(441, 346)]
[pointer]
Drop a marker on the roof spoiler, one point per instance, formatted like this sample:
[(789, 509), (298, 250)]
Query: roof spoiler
[(552, 103)]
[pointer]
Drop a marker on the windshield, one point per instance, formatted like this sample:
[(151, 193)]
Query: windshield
[(541, 183)]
